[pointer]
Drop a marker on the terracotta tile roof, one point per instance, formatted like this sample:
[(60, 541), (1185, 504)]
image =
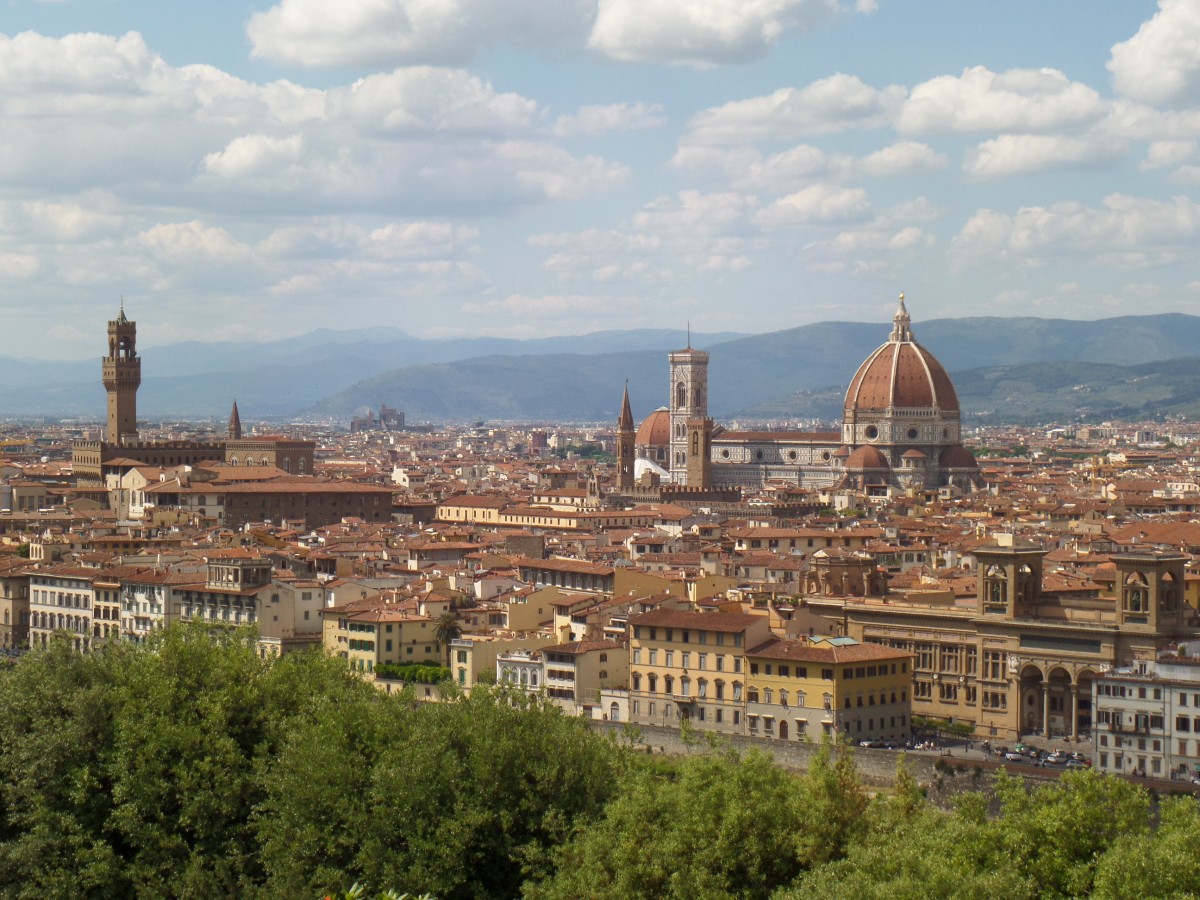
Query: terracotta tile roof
[(703, 621), (802, 650)]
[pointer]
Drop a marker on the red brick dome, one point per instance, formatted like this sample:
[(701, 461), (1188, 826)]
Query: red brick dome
[(655, 430), (958, 457), (901, 374), (867, 457)]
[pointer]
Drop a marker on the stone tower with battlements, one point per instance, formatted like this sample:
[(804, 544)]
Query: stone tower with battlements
[(122, 369)]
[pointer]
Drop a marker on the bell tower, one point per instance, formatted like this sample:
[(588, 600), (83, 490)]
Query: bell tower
[(625, 438), (689, 404), (122, 370)]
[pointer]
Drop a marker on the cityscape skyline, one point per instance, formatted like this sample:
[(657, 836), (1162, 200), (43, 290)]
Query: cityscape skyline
[(464, 168)]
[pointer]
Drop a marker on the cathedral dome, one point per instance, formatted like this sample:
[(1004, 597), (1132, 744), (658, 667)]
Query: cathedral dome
[(901, 374), (655, 430)]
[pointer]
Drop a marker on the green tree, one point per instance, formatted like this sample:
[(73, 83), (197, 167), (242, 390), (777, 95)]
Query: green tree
[(445, 630), (133, 771), (1163, 864), (723, 826), (460, 799)]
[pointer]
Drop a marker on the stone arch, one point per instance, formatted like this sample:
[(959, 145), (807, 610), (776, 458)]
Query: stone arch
[(1031, 698)]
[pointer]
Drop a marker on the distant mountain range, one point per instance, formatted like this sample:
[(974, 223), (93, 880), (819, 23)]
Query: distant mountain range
[(1018, 369)]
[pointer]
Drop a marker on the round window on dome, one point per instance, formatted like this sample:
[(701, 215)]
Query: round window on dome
[(792, 455), (912, 434), (825, 455), (871, 432), (758, 455), (724, 454)]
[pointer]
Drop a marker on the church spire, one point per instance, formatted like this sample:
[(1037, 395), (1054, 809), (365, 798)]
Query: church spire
[(625, 447), (235, 424), (901, 324), (625, 422)]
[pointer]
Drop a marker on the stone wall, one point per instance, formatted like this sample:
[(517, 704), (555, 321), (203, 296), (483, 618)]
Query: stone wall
[(876, 767)]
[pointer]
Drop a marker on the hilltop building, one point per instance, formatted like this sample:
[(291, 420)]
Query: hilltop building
[(388, 420), (900, 428)]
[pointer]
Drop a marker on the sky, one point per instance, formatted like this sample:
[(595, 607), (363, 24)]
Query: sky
[(249, 170)]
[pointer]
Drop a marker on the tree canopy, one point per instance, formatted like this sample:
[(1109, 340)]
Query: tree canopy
[(192, 767)]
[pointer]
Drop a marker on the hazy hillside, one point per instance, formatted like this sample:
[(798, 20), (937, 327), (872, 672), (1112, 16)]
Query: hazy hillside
[(796, 372), (1040, 392), (767, 375), (285, 377)]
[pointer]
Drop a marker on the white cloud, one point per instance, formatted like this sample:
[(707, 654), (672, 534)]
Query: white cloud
[(404, 32), (596, 120), (193, 243), (1161, 63), (700, 33), (747, 169), (670, 240), (19, 265), (435, 140), (67, 221), (423, 99), (831, 104), (1124, 231), (1015, 100), (254, 154), (817, 204), (1013, 154), (555, 173), (1167, 153), (903, 158)]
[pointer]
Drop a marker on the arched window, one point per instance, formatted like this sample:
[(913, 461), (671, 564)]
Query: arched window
[(637, 681), (300, 467), (783, 698), (652, 683), (668, 684), (768, 695), (1136, 593), (680, 394)]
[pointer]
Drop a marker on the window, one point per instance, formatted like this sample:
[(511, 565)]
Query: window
[(702, 660)]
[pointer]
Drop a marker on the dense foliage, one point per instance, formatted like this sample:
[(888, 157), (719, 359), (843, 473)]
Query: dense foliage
[(413, 673), (194, 768)]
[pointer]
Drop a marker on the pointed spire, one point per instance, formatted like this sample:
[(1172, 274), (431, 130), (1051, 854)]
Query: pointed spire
[(901, 323), (235, 424), (625, 422), (121, 316)]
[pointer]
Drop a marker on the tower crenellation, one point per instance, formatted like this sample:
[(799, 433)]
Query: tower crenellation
[(122, 376)]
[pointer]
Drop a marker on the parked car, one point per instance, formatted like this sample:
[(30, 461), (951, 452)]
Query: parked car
[(1077, 764), (1014, 756)]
